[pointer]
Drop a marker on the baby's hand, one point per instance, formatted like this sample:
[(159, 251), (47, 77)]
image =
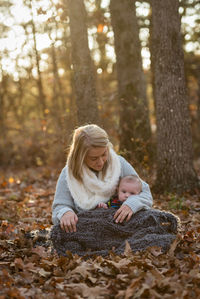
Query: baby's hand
[(102, 205)]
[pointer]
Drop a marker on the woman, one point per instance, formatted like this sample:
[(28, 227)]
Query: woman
[(91, 176)]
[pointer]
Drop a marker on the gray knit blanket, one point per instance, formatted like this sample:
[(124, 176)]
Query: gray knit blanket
[(98, 234)]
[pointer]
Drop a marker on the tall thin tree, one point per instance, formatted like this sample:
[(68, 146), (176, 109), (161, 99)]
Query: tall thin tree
[(3, 95), (175, 170), (84, 82), (39, 80), (134, 114)]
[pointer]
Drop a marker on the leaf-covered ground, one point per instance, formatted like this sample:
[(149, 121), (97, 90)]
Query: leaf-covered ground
[(34, 272)]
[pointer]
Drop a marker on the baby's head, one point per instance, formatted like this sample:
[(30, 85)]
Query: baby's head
[(129, 185)]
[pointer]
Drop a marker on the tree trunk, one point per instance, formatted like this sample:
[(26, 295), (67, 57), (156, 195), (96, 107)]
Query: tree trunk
[(175, 170), (84, 82), (72, 108), (101, 37), (41, 94), (152, 58), (198, 110), (3, 92), (134, 113), (198, 94), (56, 89)]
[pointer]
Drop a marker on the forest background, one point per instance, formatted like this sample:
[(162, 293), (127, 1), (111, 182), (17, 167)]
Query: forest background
[(44, 94), (132, 67)]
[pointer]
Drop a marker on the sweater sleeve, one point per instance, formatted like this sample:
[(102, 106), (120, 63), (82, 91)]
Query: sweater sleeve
[(140, 201), (63, 201)]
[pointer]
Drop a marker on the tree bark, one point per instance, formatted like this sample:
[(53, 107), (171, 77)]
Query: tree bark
[(198, 109), (71, 105), (41, 94), (3, 93), (134, 113), (198, 94), (84, 82), (56, 89), (175, 170)]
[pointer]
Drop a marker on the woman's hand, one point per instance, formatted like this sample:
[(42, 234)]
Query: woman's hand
[(68, 222), (123, 212)]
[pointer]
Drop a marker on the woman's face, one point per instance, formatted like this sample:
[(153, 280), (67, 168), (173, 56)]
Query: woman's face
[(96, 158)]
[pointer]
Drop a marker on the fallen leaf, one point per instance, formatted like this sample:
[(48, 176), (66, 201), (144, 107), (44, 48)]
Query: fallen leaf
[(44, 273), (127, 250), (40, 251), (155, 250)]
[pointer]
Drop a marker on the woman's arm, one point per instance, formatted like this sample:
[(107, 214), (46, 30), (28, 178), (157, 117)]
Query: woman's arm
[(63, 201)]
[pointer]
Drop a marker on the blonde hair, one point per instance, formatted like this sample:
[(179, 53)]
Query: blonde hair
[(83, 139)]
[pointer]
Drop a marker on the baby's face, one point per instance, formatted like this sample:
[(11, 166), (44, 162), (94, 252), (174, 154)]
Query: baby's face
[(127, 189)]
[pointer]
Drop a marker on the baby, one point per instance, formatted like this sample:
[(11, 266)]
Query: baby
[(128, 185)]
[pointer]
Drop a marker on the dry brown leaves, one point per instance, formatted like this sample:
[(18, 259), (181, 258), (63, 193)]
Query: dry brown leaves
[(28, 272)]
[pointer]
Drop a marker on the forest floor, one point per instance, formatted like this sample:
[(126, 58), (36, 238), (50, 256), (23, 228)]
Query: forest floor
[(34, 272)]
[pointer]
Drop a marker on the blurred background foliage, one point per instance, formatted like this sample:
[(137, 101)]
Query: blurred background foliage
[(38, 110)]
